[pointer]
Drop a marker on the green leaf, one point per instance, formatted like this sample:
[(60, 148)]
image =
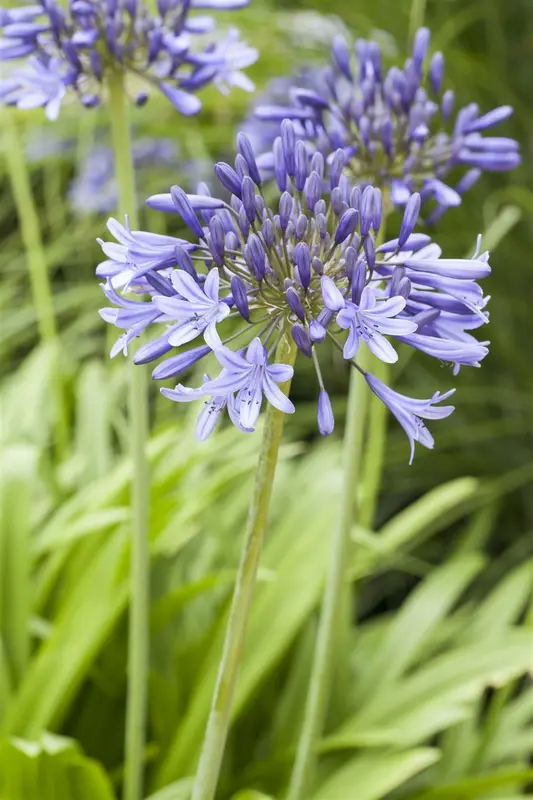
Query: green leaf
[(371, 777), (179, 790), (50, 768), (476, 785), (416, 619)]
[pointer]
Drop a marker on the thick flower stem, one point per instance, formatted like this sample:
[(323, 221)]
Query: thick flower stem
[(323, 660), (220, 714), (138, 639)]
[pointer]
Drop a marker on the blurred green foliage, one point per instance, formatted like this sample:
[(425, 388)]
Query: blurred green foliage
[(431, 698)]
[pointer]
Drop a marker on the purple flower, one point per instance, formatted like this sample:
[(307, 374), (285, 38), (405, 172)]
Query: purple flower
[(370, 320), (197, 309), (250, 377), (410, 412), (394, 125), (77, 48), (286, 267)]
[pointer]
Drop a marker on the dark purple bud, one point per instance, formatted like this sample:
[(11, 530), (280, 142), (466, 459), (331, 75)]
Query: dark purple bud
[(447, 104), (217, 240), (369, 245), (326, 420), (155, 42), (336, 201), (387, 134), (313, 190), (285, 210), (184, 261), (229, 178), (152, 350), (303, 262), (317, 332), (248, 197), (232, 241), (241, 167), (337, 165), (325, 317), (240, 296), (301, 227), (141, 99), (341, 56), (378, 209), (374, 55), (257, 254), (245, 148), (355, 198), (436, 72), (173, 366), (410, 217), (307, 97), (185, 210), (317, 265), (161, 284), (90, 100), (322, 225), (301, 339), (358, 280), (301, 172), (280, 167), (488, 120), (295, 302), (317, 164), (268, 233), (420, 47), (366, 210), (414, 242), (347, 225), (243, 222), (288, 139)]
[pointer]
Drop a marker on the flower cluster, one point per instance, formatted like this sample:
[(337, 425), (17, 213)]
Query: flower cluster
[(306, 265), (395, 127), (76, 49)]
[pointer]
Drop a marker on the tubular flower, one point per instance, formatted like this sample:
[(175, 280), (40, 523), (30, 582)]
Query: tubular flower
[(305, 265), (395, 127), (75, 48)]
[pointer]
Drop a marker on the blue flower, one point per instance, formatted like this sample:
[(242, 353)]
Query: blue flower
[(301, 264), (197, 308), (410, 412), (250, 377), (76, 48), (394, 125), (370, 320)]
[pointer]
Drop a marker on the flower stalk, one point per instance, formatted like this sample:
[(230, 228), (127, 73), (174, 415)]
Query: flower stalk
[(220, 714), (138, 642)]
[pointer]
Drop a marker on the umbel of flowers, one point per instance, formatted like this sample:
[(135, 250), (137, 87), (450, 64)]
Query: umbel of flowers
[(396, 127), (306, 265), (75, 48)]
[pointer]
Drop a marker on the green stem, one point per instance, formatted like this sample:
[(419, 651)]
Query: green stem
[(416, 17), (375, 449), (138, 639), (30, 228), (332, 601), (220, 714)]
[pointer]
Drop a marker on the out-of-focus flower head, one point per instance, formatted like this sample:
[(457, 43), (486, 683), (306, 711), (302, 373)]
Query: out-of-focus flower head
[(397, 127), (303, 264), (170, 49)]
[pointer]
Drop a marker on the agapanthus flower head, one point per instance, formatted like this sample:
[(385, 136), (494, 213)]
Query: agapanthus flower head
[(75, 48), (396, 127), (303, 264)]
